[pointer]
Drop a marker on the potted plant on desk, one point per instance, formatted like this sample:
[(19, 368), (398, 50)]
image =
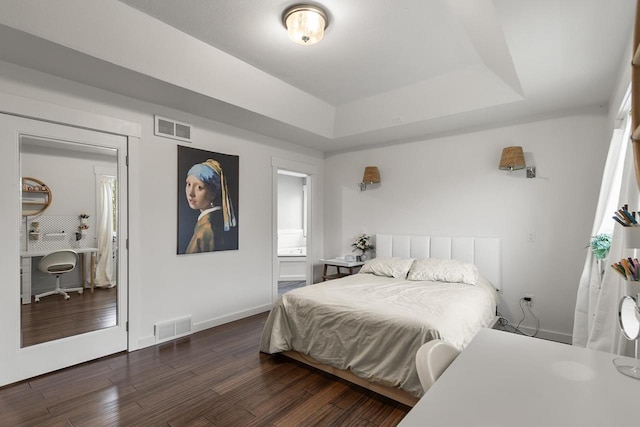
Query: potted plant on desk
[(363, 244), (82, 230)]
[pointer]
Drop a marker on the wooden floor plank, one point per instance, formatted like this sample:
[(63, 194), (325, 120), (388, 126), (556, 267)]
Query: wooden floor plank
[(327, 415), (394, 417), (230, 415), (53, 317), (215, 377), (310, 406), (92, 401)]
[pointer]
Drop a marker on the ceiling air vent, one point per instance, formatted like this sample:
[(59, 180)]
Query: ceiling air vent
[(170, 128)]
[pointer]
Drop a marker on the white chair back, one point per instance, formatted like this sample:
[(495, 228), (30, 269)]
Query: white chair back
[(58, 262), (432, 359)]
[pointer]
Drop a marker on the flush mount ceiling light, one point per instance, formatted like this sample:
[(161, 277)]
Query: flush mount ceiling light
[(305, 23)]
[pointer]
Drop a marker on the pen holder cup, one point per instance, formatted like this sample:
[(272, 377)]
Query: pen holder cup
[(632, 237)]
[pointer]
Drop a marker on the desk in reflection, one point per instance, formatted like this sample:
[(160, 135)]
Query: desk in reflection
[(26, 265)]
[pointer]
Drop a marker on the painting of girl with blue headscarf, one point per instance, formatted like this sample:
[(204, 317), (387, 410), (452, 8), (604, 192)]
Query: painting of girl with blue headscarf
[(207, 201)]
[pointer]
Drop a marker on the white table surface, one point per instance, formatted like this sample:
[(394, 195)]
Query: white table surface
[(48, 251), (504, 379), (341, 262)]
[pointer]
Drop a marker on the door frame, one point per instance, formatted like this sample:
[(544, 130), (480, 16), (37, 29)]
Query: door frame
[(311, 172), (15, 105), (12, 105)]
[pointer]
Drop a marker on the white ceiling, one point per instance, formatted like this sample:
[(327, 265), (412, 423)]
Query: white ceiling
[(370, 47), (386, 71)]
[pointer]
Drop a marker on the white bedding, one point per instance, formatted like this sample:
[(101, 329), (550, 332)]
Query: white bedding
[(373, 326)]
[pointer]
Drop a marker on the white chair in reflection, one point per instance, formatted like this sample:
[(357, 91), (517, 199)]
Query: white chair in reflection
[(432, 359), (58, 263)]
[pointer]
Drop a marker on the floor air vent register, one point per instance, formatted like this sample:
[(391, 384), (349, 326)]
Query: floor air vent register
[(166, 331)]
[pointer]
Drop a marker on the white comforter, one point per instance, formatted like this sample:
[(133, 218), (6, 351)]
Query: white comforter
[(374, 325)]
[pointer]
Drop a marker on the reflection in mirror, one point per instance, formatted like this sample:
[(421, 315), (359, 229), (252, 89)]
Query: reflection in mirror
[(628, 316), (81, 294)]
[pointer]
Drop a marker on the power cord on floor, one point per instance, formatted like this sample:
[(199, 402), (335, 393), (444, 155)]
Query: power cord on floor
[(507, 326)]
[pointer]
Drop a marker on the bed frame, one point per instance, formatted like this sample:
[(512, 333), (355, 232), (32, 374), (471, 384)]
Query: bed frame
[(484, 252), (391, 392)]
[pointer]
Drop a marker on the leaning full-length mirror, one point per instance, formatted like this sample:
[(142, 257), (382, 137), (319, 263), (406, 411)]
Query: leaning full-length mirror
[(68, 238)]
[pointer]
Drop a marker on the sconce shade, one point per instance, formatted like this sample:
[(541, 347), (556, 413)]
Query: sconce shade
[(305, 23), (512, 159), (371, 175)]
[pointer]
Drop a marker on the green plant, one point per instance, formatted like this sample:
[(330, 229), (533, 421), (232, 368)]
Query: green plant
[(363, 243), (600, 245)]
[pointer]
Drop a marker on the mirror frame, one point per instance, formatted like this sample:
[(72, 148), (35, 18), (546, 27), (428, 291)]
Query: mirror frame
[(39, 188), (629, 324)]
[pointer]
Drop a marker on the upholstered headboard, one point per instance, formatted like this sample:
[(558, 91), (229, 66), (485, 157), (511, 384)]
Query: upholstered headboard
[(484, 252)]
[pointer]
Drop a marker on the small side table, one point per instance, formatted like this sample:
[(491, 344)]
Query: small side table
[(339, 264)]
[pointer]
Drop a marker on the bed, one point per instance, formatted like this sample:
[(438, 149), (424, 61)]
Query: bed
[(367, 327)]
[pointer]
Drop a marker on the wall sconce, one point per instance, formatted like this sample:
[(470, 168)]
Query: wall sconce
[(513, 159), (305, 23), (531, 171), (371, 176)]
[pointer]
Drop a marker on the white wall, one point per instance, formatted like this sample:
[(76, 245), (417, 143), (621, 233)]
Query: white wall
[(72, 181), (290, 202), (70, 175), (212, 287), (452, 186)]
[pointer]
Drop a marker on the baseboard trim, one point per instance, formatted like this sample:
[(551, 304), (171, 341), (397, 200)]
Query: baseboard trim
[(217, 321), (230, 317), (548, 335)]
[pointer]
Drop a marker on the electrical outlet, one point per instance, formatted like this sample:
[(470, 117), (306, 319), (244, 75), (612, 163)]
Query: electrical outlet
[(531, 236), (528, 299)]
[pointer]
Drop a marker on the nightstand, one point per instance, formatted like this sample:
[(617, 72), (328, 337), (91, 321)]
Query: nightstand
[(343, 268)]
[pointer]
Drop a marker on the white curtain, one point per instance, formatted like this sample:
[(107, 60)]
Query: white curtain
[(104, 270), (596, 319)]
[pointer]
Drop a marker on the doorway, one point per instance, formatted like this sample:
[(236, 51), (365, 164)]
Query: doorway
[(292, 230), (64, 159), (293, 189)]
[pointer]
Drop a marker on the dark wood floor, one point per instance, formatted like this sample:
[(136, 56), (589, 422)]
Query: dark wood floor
[(215, 377), (53, 317)]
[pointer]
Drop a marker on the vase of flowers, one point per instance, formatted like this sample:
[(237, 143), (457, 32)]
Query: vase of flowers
[(84, 218), (363, 244), (83, 228), (34, 232), (600, 245)]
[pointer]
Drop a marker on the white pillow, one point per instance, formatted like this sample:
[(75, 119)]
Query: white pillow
[(443, 270), (388, 267)]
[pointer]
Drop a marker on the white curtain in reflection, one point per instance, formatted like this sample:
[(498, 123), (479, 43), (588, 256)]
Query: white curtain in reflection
[(596, 314), (104, 269)]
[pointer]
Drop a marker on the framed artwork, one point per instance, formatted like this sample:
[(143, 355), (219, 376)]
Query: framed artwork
[(207, 201)]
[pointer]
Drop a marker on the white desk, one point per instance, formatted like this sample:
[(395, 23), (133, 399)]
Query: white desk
[(504, 379), (26, 263)]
